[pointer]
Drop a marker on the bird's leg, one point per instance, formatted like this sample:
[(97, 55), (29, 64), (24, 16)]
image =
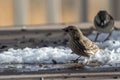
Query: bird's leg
[(76, 60), (108, 36), (72, 53), (96, 37)]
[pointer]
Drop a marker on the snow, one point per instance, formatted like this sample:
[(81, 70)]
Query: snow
[(110, 55), (37, 55)]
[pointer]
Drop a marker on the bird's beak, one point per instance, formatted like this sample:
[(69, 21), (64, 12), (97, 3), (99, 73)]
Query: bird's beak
[(65, 29)]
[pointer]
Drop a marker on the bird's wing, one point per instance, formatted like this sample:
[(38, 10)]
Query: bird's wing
[(88, 44)]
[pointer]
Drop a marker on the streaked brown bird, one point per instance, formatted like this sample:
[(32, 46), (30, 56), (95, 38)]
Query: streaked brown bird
[(104, 22), (80, 44)]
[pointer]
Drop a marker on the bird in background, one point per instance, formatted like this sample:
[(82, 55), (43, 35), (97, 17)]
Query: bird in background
[(104, 22), (80, 44)]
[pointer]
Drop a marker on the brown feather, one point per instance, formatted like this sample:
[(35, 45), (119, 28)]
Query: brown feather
[(80, 44)]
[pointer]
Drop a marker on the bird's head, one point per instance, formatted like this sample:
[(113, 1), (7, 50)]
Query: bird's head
[(102, 18), (73, 31)]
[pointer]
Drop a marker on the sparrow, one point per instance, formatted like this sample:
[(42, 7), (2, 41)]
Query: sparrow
[(104, 22), (79, 43)]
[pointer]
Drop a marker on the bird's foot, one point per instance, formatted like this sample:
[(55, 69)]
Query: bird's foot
[(72, 52), (76, 60)]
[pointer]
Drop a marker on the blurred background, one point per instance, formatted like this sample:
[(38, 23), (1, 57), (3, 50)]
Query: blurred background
[(35, 12)]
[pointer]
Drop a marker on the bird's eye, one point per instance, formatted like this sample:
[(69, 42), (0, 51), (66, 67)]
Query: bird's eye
[(71, 29)]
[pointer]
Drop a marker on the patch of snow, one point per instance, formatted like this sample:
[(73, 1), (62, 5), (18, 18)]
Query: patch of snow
[(110, 55), (37, 55)]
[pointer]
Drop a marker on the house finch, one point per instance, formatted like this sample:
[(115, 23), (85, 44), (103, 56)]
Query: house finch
[(80, 44), (104, 22)]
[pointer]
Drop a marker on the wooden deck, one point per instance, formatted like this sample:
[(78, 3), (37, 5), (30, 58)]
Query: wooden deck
[(65, 74), (21, 37)]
